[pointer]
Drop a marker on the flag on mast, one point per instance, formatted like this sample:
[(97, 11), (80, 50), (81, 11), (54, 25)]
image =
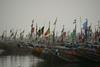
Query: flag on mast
[(85, 27), (48, 30), (85, 24), (40, 31)]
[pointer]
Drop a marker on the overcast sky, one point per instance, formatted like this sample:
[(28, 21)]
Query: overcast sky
[(18, 14)]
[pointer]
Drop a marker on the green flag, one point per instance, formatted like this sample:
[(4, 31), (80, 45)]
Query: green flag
[(73, 34)]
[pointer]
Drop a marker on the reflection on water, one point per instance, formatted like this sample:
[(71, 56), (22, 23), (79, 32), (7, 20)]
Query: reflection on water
[(32, 61), (19, 61)]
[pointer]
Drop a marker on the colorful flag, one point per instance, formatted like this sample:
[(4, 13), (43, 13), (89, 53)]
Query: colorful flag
[(48, 30)]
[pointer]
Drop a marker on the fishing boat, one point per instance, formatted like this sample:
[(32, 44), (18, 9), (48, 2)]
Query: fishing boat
[(90, 52), (65, 53)]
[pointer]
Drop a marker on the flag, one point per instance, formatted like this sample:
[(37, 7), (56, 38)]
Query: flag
[(47, 32), (85, 24), (42, 30), (63, 34), (73, 34), (39, 32), (55, 21), (85, 27)]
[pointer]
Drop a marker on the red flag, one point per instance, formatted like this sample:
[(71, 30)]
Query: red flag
[(47, 32)]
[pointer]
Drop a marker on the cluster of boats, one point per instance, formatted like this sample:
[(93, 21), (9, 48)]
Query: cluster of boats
[(86, 52), (84, 46)]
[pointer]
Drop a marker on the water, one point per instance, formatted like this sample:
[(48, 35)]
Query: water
[(32, 61), (19, 61)]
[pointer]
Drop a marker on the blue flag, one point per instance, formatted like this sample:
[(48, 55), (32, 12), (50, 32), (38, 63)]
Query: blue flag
[(85, 24)]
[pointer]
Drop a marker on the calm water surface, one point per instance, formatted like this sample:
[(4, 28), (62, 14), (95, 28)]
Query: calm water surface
[(32, 61)]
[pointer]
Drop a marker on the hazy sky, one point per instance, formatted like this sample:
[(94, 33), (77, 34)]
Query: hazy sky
[(18, 14)]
